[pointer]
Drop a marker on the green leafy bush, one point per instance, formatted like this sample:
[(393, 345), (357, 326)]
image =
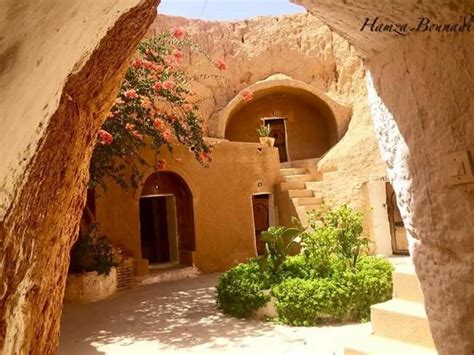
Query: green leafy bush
[(239, 290), (310, 302), (345, 296), (332, 280)]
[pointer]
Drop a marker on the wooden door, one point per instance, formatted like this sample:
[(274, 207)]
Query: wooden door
[(154, 229), (397, 228), (278, 127), (261, 217)]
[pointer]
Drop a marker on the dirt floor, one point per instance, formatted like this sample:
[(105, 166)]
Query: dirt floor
[(180, 317)]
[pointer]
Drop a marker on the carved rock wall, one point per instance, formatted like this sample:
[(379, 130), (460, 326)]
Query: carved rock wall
[(420, 90), (61, 66)]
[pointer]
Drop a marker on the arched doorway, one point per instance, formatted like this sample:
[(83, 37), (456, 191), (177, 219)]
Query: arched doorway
[(302, 124), (167, 219)]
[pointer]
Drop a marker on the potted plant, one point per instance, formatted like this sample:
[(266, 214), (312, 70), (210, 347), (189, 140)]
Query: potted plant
[(92, 274), (264, 132)]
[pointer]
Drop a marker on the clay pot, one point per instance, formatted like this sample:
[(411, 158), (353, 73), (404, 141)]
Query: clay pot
[(268, 141)]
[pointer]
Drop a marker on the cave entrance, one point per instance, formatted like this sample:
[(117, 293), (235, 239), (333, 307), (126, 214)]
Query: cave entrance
[(167, 219)]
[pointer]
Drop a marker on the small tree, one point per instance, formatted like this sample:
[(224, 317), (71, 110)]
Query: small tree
[(152, 107)]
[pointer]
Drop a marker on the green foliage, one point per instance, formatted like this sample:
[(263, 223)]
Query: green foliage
[(279, 242), (264, 130), (309, 302), (336, 233), (345, 296), (239, 290), (92, 252), (331, 281)]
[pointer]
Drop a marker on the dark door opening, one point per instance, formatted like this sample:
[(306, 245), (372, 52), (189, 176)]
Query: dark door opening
[(261, 215), (180, 213), (154, 234), (397, 228), (278, 131)]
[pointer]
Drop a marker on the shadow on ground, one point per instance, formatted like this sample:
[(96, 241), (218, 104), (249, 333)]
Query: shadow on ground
[(173, 317)]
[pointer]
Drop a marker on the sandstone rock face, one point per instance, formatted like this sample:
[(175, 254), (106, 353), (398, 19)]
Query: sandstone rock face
[(420, 90), (60, 67), (302, 48)]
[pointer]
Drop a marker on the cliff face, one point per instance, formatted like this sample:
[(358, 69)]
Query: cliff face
[(61, 66), (421, 93), (302, 48)]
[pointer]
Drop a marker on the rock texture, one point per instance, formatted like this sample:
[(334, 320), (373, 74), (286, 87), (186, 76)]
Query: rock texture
[(302, 48), (421, 91), (61, 66)]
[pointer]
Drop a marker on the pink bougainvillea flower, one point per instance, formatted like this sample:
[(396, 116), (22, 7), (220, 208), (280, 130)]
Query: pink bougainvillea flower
[(188, 107), (220, 64), (158, 124), (178, 32), (105, 137), (202, 156), (137, 135), (246, 94), (166, 134), (178, 55), (159, 68), (169, 85), (131, 94), (137, 63), (130, 126), (161, 164), (146, 102), (157, 85)]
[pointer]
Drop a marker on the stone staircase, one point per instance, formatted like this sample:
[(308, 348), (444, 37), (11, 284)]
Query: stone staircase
[(400, 326), (302, 190)]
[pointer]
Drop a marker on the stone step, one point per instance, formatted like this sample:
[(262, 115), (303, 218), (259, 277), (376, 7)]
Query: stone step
[(315, 185), (406, 285), (293, 185), (300, 193), (375, 345), (307, 201), (403, 321), (292, 171), (298, 177)]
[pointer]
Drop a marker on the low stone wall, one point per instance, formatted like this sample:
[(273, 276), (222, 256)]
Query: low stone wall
[(90, 287)]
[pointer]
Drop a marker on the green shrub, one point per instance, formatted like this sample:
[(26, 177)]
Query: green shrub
[(239, 290), (279, 242), (310, 302), (295, 267), (345, 296), (371, 283)]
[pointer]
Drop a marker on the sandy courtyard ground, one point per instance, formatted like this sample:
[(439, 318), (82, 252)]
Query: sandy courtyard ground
[(180, 317)]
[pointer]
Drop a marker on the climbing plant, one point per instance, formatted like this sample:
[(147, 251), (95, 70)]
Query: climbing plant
[(152, 108)]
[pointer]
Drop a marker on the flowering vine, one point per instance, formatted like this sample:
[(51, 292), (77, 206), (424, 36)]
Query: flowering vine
[(152, 108)]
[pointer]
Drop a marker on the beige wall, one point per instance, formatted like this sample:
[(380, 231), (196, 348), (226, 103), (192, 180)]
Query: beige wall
[(308, 129), (223, 215)]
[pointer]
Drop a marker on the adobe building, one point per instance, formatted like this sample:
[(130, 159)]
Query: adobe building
[(325, 150)]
